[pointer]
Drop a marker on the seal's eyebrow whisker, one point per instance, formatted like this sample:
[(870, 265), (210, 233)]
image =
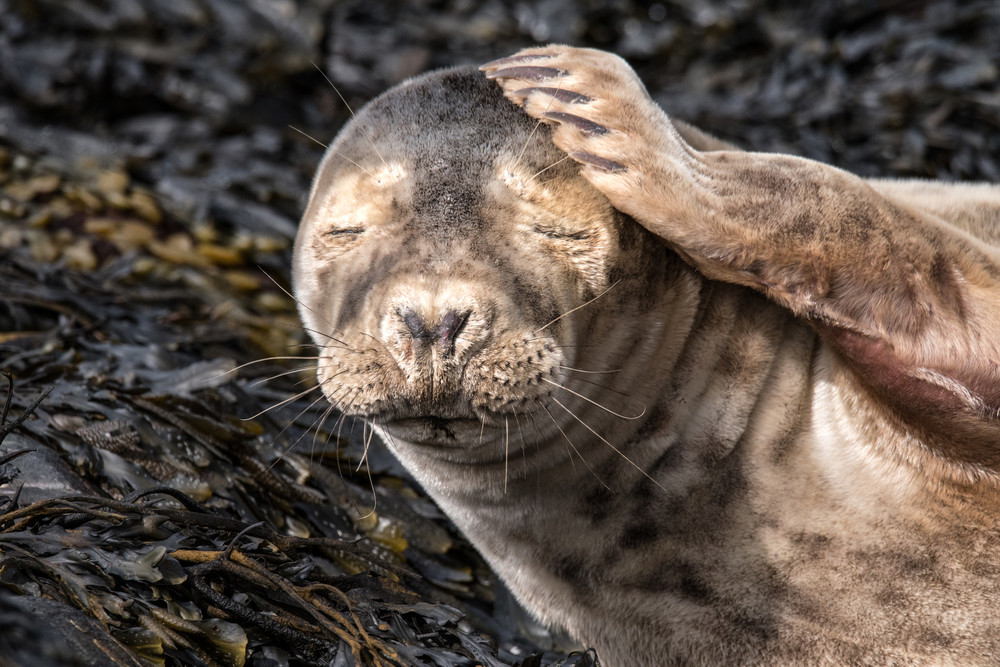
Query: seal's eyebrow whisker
[(344, 157), (542, 171), (538, 123), (308, 136), (338, 153), (349, 109)]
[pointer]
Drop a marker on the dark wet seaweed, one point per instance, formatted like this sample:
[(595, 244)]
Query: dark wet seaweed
[(153, 164)]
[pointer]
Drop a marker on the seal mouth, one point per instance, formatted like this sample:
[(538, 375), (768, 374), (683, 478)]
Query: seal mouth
[(439, 430)]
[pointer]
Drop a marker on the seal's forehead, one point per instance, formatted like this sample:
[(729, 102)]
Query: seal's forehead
[(456, 115)]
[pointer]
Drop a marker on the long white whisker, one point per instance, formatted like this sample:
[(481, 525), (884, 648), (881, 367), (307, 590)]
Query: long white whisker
[(582, 305), (506, 453), (294, 397), (258, 361), (368, 441), (261, 381), (573, 447), (337, 90), (291, 446), (593, 402), (535, 128), (308, 136), (580, 370), (542, 171), (313, 311), (604, 387), (604, 440), (371, 481)]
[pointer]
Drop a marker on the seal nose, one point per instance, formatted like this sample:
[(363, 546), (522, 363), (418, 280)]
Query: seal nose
[(442, 334)]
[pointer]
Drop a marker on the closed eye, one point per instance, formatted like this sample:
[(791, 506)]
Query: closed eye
[(345, 231), (562, 234)]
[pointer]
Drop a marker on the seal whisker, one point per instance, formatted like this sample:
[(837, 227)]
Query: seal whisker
[(317, 429), (269, 378), (524, 445), (368, 470), (308, 136), (312, 310), (342, 345), (380, 343), (580, 370), (370, 427), (285, 450), (542, 171), (350, 110), (369, 173), (527, 142), (339, 427), (573, 447), (604, 387), (506, 452), (582, 305), (292, 398), (606, 442), (259, 361), (366, 439), (593, 402)]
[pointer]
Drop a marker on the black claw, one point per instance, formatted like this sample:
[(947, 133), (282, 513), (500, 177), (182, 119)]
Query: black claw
[(527, 73), (582, 124), (600, 162), (510, 60), (567, 96)]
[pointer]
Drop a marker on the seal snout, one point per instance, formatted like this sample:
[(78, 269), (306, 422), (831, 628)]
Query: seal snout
[(442, 334)]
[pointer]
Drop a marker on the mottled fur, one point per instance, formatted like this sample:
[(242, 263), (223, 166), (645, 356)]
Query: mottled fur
[(757, 427)]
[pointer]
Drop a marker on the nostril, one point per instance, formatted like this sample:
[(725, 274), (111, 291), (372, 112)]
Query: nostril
[(444, 334), (450, 326), (415, 323)]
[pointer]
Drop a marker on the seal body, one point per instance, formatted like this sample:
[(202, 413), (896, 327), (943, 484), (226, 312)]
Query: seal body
[(694, 405)]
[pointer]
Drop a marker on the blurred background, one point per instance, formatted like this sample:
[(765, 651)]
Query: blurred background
[(154, 159)]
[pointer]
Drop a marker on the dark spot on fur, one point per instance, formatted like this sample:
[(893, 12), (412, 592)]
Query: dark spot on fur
[(572, 569), (598, 504), (658, 416), (934, 637), (692, 586), (754, 624), (811, 545), (639, 534), (644, 492), (894, 598)]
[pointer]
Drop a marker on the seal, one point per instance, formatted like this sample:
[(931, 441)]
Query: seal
[(694, 405)]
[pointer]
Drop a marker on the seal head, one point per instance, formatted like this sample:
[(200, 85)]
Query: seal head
[(443, 264)]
